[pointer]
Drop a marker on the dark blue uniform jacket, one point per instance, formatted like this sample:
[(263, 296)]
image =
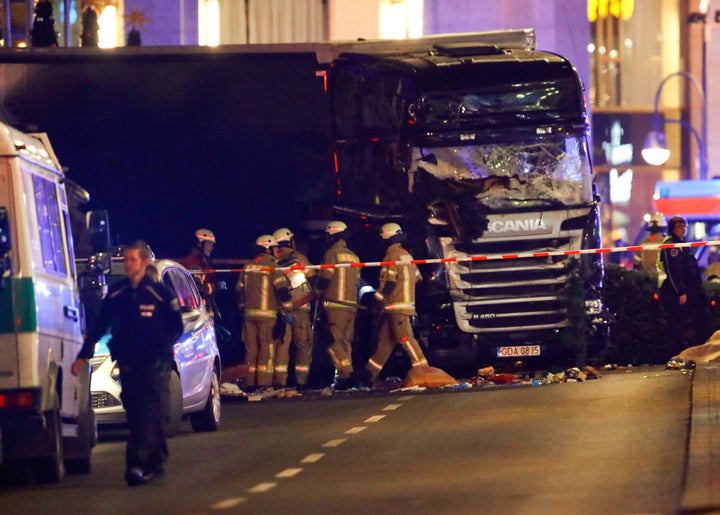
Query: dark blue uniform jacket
[(144, 322)]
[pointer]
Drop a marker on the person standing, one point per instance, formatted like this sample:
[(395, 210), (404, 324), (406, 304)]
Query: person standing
[(143, 316), (298, 332), (261, 288), (647, 260), (395, 301), (199, 258), (89, 32), (681, 292), (337, 287)]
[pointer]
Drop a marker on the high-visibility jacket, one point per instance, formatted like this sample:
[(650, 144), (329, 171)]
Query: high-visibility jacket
[(401, 299), (290, 254), (258, 288), (342, 291)]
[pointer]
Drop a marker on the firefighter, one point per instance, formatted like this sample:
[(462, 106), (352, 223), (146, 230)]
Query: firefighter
[(199, 258), (337, 287), (394, 300), (261, 291), (682, 292), (299, 331), (647, 260)]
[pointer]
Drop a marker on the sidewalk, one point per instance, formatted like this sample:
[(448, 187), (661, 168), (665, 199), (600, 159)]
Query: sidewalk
[(702, 482)]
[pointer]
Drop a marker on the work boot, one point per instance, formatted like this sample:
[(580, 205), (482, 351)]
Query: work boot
[(362, 379), (341, 384), (136, 476)]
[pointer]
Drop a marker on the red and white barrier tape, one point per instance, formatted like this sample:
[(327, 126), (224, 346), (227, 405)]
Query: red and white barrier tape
[(489, 257)]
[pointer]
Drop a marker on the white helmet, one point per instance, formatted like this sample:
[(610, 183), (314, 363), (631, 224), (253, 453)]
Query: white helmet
[(335, 227), (266, 241), (389, 230), (657, 220), (205, 235), (283, 234)]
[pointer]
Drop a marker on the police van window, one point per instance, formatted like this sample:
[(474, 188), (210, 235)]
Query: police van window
[(49, 225)]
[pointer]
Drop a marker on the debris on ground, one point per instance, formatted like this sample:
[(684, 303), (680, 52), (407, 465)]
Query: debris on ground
[(429, 377), (705, 353), (418, 379)]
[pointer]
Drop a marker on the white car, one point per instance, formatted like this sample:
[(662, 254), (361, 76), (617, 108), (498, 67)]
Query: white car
[(195, 381)]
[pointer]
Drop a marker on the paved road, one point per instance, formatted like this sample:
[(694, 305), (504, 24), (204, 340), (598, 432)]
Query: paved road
[(614, 445)]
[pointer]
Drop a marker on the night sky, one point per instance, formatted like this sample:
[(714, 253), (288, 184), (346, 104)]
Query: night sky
[(169, 143)]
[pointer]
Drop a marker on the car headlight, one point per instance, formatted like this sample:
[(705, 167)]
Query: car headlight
[(115, 373)]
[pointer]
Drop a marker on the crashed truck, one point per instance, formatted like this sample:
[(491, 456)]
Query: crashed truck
[(475, 143), (478, 149)]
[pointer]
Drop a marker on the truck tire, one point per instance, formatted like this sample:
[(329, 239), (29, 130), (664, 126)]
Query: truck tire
[(209, 418), (173, 419)]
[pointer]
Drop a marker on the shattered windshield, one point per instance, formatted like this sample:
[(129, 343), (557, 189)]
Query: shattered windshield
[(550, 171)]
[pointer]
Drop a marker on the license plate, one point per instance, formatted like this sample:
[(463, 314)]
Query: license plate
[(518, 351)]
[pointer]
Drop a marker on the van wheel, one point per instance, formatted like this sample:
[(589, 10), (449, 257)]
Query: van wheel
[(78, 450), (173, 417), (49, 468), (209, 418)]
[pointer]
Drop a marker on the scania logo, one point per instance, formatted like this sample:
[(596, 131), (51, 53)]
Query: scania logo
[(527, 226)]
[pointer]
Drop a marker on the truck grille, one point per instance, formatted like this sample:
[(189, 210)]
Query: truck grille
[(506, 300)]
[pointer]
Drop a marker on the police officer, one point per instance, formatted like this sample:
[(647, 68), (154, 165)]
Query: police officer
[(299, 331), (395, 299), (144, 318), (337, 287), (682, 292), (199, 259), (261, 290)]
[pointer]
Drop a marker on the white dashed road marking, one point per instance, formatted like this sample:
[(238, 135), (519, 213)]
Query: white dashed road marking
[(288, 473), (310, 458), (313, 458), (334, 443), (262, 488), (228, 503)]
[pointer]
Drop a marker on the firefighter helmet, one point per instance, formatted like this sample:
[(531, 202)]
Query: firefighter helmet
[(283, 234), (656, 222), (389, 230), (335, 227), (266, 241), (205, 235)]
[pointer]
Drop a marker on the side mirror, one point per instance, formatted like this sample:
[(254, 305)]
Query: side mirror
[(98, 225)]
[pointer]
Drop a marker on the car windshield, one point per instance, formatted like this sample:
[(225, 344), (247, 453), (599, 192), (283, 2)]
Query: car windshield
[(553, 170)]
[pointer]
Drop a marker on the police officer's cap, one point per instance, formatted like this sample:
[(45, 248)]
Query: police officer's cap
[(676, 220)]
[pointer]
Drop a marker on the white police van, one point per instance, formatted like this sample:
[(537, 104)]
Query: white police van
[(46, 423)]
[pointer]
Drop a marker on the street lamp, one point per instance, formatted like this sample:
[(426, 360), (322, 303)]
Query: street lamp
[(655, 151)]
